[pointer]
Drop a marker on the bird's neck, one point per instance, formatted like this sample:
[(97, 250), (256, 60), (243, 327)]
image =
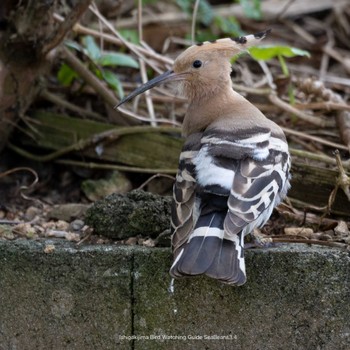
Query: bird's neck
[(225, 106)]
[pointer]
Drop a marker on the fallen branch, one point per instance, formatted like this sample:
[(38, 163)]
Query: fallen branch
[(60, 101), (131, 169), (108, 135), (301, 115), (23, 187)]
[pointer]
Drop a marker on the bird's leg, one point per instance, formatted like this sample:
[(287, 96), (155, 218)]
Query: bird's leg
[(258, 240)]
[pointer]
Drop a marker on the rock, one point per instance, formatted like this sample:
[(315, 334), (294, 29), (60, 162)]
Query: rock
[(49, 248), (6, 232), (294, 299), (68, 212), (164, 239), (62, 225), (76, 225), (149, 243), (89, 297), (55, 296), (135, 213), (97, 189), (131, 241), (24, 230), (342, 229), (31, 213)]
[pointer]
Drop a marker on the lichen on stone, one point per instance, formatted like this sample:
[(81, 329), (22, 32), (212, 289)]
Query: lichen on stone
[(135, 213)]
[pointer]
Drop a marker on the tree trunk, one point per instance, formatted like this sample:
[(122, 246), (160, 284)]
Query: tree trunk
[(28, 35)]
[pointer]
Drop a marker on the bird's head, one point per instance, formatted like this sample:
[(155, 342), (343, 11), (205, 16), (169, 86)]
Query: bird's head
[(204, 68)]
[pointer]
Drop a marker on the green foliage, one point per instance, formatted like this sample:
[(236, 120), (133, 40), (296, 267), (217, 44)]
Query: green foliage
[(113, 82), (73, 45), (98, 60), (130, 35), (224, 25), (205, 12), (66, 75), (228, 25), (92, 49), (267, 52), (251, 8), (117, 59)]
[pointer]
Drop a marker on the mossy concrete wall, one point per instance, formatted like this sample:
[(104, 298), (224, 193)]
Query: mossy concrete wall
[(110, 297)]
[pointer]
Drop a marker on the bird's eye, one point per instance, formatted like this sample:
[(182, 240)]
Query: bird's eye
[(197, 64)]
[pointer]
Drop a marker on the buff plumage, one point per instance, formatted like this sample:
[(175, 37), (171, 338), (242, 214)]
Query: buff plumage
[(233, 168)]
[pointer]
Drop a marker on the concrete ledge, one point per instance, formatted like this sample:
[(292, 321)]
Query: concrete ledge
[(66, 299), (110, 297)]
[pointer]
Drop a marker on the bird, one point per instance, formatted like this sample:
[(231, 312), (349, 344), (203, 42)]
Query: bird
[(234, 167)]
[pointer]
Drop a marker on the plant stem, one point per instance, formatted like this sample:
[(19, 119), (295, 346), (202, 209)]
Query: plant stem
[(283, 66)]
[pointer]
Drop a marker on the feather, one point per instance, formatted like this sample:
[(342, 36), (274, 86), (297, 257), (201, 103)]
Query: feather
[(235, 192), (233, 168)]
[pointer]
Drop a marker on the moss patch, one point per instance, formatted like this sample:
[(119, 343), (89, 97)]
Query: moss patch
[(135, 213)]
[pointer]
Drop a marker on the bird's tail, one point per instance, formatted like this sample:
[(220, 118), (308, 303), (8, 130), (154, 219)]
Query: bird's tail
[(212, 252)]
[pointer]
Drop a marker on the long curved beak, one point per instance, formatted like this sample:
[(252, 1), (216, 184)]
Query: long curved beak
[(169, 75)]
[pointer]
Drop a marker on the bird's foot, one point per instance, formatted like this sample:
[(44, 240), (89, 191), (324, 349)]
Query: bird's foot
[(258, 240)]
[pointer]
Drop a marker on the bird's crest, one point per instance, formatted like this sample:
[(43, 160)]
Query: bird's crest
[(211, 52), (226, 46)]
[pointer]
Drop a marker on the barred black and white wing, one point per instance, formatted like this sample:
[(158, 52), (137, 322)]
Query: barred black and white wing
[(233, 182), (184, 211)]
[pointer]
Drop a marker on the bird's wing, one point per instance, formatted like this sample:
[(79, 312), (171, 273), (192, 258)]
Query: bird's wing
[(249, 167), (260, 164), (227, 184), (183, 211)]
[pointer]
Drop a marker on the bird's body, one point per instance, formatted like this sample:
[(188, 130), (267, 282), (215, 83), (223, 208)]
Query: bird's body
[(233, 168), (231, 176)]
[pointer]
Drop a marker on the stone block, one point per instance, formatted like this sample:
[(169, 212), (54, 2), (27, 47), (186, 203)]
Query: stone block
[(296, 297), (68, 297)]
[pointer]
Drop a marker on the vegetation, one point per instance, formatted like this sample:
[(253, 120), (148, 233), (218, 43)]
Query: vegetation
[(58, 124)]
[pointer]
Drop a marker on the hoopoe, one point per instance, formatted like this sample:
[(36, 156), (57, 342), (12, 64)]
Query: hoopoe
[(233, 168)]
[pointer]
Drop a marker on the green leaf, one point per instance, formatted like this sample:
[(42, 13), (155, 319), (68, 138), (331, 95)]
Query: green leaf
[(117, 59), (73, 45), (113, 81), (251, 8), (203, 35), (284, 66), (130, 35), (267, 52), (66, 75), (185, 5), (98, 72), (93, 51), (299, 52), (229, 25), (205, 12)]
